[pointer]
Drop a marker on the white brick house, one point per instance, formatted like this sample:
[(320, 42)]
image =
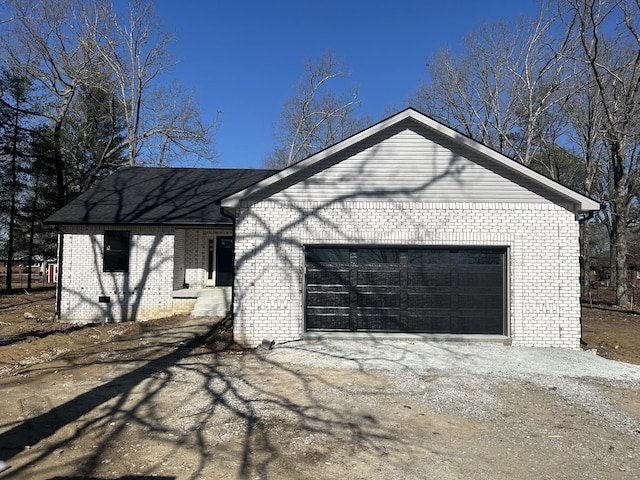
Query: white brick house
[(406, 228)]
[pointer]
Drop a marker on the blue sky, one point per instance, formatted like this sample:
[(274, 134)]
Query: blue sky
[(242, 57)]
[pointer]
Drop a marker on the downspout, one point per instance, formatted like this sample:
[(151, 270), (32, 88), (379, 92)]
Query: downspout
[(233, 239), (59, 275), (586, 218)]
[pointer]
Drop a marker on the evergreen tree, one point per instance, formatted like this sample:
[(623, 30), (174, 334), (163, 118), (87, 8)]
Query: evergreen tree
[(35, 238), (14, 139)]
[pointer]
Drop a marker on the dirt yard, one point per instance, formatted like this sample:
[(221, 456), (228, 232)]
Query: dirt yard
[(173, 399)]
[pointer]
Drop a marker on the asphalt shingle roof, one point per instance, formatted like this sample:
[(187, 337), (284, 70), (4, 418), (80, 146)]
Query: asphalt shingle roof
[(147, 195)]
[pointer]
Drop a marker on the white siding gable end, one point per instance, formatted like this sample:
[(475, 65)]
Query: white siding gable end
[(409, 167), (411, 157)]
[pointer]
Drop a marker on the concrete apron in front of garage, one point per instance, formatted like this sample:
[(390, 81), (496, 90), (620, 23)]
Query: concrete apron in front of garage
[(408, 337)]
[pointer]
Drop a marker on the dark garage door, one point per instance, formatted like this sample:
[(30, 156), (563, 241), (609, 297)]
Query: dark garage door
[(420, 290)]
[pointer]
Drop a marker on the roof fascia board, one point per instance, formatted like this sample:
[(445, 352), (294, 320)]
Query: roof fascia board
[(583, 203)]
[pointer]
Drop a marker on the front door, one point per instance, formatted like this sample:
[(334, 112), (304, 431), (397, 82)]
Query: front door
[(219, 261), (224, 261), (211, 262)]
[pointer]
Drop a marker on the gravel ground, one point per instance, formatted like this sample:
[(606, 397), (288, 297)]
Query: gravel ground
[(479, 368), (397, 357)]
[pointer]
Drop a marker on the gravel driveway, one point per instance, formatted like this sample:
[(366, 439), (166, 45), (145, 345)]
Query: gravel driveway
[(481, 368), (397, 357)]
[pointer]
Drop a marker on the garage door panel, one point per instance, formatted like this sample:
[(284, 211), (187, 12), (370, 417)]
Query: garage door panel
[(479, 256), (429, 321), (378, 256), (428, 256), (379, 277), (429, 300), (476, 277), (327, 277), (429, 277), (480, 301), (326, 255), (378, 320), (487, 322), (323, 319), (379, 299), (336, 299)]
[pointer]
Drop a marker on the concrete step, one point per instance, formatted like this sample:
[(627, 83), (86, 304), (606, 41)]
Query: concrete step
[(210, 313), (218, 307), (212, 303)]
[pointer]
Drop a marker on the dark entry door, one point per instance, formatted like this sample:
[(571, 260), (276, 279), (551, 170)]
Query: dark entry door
[(224, 261), (425, 290)]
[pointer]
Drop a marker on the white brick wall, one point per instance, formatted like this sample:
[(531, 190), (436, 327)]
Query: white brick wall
[(541, 241), (161, 260), (143, 293)]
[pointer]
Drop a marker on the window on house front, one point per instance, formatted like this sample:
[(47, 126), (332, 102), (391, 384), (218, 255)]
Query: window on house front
[(116, 251)]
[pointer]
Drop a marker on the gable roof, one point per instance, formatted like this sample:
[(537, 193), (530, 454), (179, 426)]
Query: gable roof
[(311, 164), (153, 196)]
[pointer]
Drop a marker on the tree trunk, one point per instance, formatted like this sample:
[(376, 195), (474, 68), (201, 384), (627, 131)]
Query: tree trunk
[(13, 209), (585, 277), (613, 268), (622, 271), (58, 158), (58, 165), (12, 222), (32, 227), (619, 214)]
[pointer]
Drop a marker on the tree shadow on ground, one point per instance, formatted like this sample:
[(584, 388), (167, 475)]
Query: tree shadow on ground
[(37, 428), (127, 477), (31, 334), (29, 301), (219, 386)]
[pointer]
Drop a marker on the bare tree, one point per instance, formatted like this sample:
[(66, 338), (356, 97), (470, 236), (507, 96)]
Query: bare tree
[(583, 113), (566, 105), (93, 131), (609, 37), (181, 128), (86, 56), (315, 116), (157, 124), (5, 14), (45, 41), (502, 89), (473, 91)]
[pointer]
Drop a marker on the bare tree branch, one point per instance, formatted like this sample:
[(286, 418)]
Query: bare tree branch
[(315, 117)]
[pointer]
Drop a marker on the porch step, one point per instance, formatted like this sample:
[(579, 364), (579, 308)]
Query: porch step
[(212, 302)]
